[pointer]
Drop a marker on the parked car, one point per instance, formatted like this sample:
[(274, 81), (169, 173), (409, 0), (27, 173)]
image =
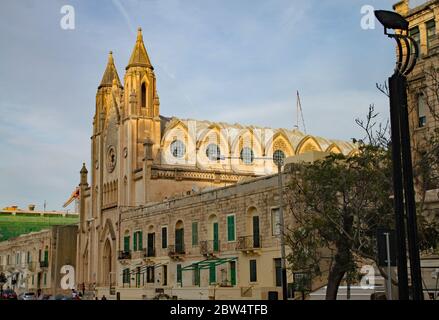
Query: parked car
[(29, 296), (9, 294)]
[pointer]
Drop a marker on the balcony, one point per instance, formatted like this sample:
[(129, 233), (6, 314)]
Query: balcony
[(249, 243), (149, 252), (209, 247), (44, 264), (124, 255), (175, 251)]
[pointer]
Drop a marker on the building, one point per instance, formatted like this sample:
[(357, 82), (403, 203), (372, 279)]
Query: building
[(144, 163), (423, 89), (15, 221), (33, 261)]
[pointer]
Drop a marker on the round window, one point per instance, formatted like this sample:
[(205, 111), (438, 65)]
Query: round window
[(247, 155), (213, 152), (278, 157), (178, 149)]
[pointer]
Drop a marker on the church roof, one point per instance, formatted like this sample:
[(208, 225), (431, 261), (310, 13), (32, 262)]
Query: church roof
[(110, 73), (294, 136), (139, 57)]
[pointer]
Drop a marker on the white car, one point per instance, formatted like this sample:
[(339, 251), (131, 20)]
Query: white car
[(29, 296)]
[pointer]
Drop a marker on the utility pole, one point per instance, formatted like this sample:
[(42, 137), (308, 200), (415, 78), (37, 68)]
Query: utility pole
[(282, 232)]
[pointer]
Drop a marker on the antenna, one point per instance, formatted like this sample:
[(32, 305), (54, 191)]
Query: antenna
[(299, 111)]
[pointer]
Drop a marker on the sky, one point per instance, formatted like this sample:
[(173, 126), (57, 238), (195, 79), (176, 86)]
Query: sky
[(219, 60)]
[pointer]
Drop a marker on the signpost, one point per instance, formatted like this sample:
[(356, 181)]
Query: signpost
[(387, 254)]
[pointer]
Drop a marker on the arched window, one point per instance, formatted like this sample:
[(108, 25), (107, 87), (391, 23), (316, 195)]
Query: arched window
[(213, 152), (143, 95), (178, 149), (247, 155), (278, 156)]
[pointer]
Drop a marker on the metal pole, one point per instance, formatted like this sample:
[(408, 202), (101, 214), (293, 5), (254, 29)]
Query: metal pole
[(403, 293), (282, 232), (389, 270), (412, 229)]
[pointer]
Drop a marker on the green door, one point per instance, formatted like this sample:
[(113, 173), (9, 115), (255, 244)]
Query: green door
[(126, 243), (233, 273), (212, 273), (256, 234), (215, 237), (179, 240)]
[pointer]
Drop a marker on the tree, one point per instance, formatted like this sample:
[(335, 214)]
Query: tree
[(338, 203)]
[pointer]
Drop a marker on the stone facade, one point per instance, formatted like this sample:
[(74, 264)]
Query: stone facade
[(33, 261), (141, 159)]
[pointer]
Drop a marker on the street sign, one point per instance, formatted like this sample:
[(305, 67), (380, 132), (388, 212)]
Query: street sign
[(382, 234)]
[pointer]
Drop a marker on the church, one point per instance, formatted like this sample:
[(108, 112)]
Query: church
[(203, 194)]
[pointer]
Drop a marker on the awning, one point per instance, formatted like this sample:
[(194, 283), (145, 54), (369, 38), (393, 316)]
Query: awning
[(208, 263)]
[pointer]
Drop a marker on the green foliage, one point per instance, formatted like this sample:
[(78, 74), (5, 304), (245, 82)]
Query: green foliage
[(337, 204)]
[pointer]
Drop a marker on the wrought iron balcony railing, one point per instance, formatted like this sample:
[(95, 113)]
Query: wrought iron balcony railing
[(44, 264), (249, 243), (209, 246), (177, 249), (149, 252), (124, 255)]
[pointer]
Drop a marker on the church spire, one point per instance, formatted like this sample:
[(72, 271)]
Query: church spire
[(139, 57), (110, 74)]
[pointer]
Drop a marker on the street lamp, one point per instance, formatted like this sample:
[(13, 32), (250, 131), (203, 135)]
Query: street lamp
[(279, 161), (404, 196)]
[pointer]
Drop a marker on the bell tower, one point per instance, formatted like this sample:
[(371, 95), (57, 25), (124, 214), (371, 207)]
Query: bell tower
[(142, 102)]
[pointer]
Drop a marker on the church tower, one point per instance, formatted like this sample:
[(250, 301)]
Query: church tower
[(142, 102)]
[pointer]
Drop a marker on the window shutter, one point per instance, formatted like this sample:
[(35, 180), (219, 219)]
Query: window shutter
[(179, 278), (140, 240), (164, 237), (135, 241), (194, 233), (253, 274), (231, 228), (126, 243)]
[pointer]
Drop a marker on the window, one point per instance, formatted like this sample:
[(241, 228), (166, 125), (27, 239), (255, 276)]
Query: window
[(126, 275), (143, 94), (150, 274), (231, 227), (422, 117), (178, 149), (247, 155), (29, 257), (212, 273), (164, 237), (213, 152), (46, 255), (137, 241), (196, 276), (232, 273), (431, 33), (179, 274), (165, 275), (33, 279), (126, 243), (414, 33), (253, 272), (278, 156), (194, 233), (45, 279), (275, 221), (278, 272)]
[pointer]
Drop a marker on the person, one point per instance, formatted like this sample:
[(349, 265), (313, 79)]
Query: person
[(104, 297), (83, 288)]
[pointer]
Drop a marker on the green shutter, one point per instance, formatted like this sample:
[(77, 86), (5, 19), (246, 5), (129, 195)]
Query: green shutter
[(45, 278), (212, 273), (253, 274), (194, 233), (135, 241), (46, 256), (215, 237), (164, 238), (233, 273), (231, 228), (179, 273), (140, 240), (126, 243), (196, 275)]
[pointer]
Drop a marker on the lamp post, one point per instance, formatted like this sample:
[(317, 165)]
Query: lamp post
[(404, 195)]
